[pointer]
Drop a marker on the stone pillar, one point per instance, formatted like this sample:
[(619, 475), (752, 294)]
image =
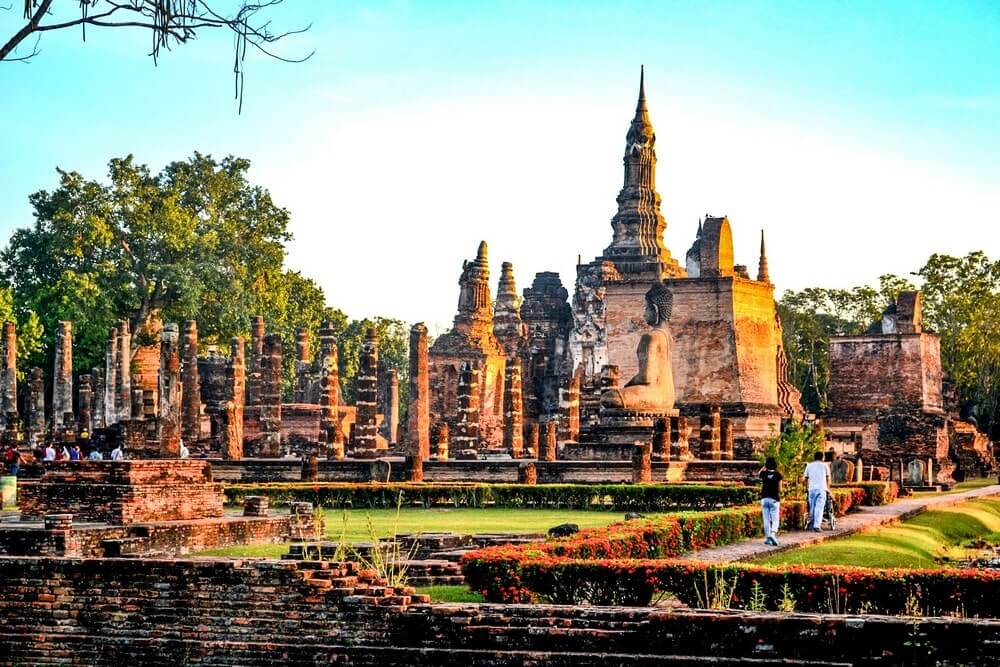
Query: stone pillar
[(138, 400), (35, 408), (256, 355), (527, 473), (642, 468), (111, 380), (303, 366), (62, 378), (232, 435), (414, 468), (97, 418), (661, 440), (123, 401), (191, 409), (513, 406), (467, 421), (680, 449), (569, 407), (440, 438), (531, 446), (709, 445), (418, 412), (726, 439), (269, 387), (329, 393), (169, 417), (8, 373), (366, 422), (85, 406), (551, 440), (390, 407)]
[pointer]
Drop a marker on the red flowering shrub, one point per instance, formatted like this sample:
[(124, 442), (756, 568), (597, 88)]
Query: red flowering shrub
[(875, 493)]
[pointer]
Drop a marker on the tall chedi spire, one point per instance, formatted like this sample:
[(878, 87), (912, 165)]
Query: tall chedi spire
[(762, 273), (637, 245), (475, 309), (507, 324)]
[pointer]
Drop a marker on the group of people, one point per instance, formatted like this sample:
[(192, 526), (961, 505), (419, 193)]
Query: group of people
[(818, 480)]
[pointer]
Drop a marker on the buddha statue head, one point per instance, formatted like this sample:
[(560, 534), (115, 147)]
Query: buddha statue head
[(659, 304)]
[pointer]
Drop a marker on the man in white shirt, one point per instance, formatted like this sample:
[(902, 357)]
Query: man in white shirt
[(50, 452), (817, 475), (117, 454), (183, 451)]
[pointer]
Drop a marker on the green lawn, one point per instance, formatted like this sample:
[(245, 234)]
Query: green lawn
[(450, 594), (923, 541), (464, 520)]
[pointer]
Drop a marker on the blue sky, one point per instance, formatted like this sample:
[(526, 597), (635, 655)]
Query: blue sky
[(860, 136)]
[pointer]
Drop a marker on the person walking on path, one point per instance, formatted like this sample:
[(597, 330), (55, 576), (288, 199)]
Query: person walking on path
[(770, 500), (817, 475)]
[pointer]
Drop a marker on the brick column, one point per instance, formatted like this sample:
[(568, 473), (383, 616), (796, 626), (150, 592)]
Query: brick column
[(527, 473), (569, 408), (366, 422), (191, 406), (467, 421), (111, 379), (256, 354), (8, 373), (36, 409), (708, 448), (661, 440), (123, 399), (440, 438), (84, 400), (390, 407), (329, 394), (642, 470), (62, 377), (726, 439), (97, 419), (232, 435), (169, 423), (551, 440), (303, 366), (680, 450), (513, 407), (531, 450), (270, 396), (418, 412)]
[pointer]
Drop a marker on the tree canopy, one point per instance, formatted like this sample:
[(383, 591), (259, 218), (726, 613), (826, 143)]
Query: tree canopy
[(195, 241)]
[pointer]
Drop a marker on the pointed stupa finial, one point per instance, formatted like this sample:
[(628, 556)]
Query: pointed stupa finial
[(482, 253), (641, 104), (762, 272), (699, 228)]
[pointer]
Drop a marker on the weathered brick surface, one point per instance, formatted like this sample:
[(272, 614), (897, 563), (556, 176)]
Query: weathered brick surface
[(123, 492)]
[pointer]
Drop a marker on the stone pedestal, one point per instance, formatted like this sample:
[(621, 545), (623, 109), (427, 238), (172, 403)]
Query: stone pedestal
[(527, 473)]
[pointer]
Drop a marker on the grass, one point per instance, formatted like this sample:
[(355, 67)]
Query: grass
[(450, 594), (923, 541), (463, 520)]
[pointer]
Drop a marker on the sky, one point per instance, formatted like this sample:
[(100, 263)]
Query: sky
[(862, 137)]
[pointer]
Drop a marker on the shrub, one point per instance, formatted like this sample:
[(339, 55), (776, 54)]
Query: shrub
[(618, 497), (875, 493), (792, 449)]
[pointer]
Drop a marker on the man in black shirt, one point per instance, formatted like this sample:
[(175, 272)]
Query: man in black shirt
[(770, 500)]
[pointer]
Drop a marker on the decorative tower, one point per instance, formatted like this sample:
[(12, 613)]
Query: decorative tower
[(639, 225), (507, 324), (762, 273), (475, 311)]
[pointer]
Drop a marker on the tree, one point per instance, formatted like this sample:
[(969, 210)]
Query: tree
[(197, 241), (393, 336), (170, 22), (29, 330), (792, 449)]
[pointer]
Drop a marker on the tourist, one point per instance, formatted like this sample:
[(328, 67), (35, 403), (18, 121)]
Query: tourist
[(817, 474), (95, 455), (74, 453), (183, 451), (118, 453), (63, 454), (12, 459), (50, 452), (770, 500)]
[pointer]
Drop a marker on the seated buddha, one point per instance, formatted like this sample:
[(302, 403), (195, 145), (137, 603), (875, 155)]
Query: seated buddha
[(652, 388)]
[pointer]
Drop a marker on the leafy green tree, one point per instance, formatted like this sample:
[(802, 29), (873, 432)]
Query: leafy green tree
[(29, 330), (792, 449)]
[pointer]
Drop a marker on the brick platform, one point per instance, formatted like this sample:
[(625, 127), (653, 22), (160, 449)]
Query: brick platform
[(124, 492)]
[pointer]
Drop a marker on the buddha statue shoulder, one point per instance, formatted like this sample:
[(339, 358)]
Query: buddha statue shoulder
[(652, 388)]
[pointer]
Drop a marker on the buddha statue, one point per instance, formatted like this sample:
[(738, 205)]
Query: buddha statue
[(652, 388)]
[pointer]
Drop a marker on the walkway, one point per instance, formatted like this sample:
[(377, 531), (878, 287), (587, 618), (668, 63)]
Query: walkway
[(867, 517)]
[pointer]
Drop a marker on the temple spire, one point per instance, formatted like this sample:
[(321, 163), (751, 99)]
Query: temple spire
[(640, 106), (762, 273)]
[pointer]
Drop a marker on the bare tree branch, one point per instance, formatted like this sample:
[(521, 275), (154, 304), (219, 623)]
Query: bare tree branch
[(170, 22)]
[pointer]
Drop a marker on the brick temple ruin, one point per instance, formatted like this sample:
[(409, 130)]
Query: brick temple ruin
[(518, 376)]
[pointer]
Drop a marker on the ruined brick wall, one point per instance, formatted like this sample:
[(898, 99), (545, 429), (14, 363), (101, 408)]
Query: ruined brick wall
[(123, 492), (885, 372), (172, 612)]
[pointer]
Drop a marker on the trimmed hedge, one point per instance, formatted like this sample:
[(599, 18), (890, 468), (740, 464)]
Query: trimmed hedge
[(618, 497), (876, 493), (822, 589), (520, 573)]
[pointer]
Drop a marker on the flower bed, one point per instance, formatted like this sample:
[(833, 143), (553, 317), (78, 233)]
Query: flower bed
[(618, 497), (522, 573), (823, 589), (876, 493)]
